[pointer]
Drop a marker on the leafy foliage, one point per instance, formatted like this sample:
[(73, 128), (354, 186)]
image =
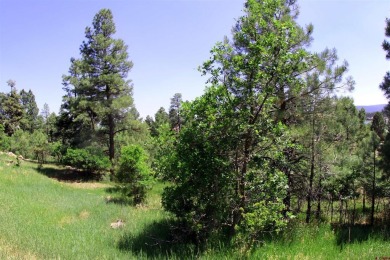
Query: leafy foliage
[(85, 160), (231, 142), (133, 174)]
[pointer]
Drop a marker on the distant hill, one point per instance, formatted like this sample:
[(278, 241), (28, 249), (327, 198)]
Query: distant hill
[(372, 108)]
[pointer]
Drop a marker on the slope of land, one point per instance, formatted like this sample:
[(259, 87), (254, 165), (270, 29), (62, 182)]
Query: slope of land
[(372, 108), (43, 218)]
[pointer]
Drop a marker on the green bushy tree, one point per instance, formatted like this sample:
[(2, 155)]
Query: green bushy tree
[(133, 174), (225, 154), (85, 159), (4, 139)]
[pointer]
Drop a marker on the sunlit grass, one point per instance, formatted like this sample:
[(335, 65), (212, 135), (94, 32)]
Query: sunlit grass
[(324, 242), (49, 219), (42, 218)]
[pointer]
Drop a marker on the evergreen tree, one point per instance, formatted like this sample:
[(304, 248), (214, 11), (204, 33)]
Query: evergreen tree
[(305, 110), (161, 117), (71, 129), (223, 164), (50, 126), (378, 125), (98, 92), (49, 122), (385, 86), (174, 112), (45, 112), (11, 110), (30, 110)]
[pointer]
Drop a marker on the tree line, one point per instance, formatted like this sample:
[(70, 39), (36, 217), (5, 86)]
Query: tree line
[(270, 139)]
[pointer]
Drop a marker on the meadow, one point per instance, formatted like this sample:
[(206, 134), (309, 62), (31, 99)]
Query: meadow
[(42, 217)]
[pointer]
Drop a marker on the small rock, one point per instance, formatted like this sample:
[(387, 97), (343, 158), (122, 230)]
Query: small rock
[(11, 154), (118, 224)]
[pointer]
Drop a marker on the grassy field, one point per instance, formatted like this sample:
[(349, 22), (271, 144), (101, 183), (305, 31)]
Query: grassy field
[(43, 218)]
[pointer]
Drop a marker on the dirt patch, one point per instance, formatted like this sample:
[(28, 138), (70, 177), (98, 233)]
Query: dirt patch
[(86, 185), (11, 252), (84, 214), (66, 220)]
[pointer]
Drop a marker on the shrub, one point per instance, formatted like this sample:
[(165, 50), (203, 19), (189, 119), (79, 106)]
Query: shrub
[(39, 145), (133, 174), (4, 139), (19, 143), (57, 150), (83, 159)]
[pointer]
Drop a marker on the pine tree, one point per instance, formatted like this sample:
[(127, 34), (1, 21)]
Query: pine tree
[(161, 117), (385, 85), (174, 112), (98, 92), (223, 163), (11, 111), (378, 125), (30, 110)]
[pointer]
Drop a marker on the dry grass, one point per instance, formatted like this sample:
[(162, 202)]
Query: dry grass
[(11, 252), (86, 185)]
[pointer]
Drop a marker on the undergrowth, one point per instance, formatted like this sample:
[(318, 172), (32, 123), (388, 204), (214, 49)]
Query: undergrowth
[(43, 218)]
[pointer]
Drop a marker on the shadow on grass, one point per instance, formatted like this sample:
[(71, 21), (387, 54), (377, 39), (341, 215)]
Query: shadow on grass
[(158, 240), (359, 233), (116, 199), (68, 175)]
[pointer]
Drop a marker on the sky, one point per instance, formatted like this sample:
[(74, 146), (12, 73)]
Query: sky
[(169, 39)]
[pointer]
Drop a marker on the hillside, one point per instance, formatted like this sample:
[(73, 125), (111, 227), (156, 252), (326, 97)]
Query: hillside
[(372, 108), (44, 218)]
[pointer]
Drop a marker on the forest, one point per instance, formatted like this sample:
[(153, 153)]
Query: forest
[(270, 146)]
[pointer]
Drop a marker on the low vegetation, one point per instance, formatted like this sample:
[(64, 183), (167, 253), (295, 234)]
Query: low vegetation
[(268, 163), (43, 218)]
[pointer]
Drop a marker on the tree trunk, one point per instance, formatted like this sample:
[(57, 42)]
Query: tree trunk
[(340, 210), (237, 214), (354, 211), (310, 192), (311, 178), (319, 198), (331, 209), (364, 200), (373, 193), (111, 133)]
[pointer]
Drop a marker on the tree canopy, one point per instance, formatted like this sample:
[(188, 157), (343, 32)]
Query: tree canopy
[(98, 91)]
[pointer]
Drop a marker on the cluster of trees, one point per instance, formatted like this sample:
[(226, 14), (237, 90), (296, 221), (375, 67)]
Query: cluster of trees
[(268, 139), (22, 129), (97, 119)]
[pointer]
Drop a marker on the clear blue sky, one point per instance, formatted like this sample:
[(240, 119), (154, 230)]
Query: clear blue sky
[(169, 39)]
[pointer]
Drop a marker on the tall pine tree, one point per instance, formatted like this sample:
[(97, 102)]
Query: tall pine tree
[(385, 85), (11, 110), (98, 92), (30, 109)]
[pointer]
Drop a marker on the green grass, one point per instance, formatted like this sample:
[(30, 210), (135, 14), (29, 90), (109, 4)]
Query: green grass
[(325, 242), (42, 218), (48, 219)]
